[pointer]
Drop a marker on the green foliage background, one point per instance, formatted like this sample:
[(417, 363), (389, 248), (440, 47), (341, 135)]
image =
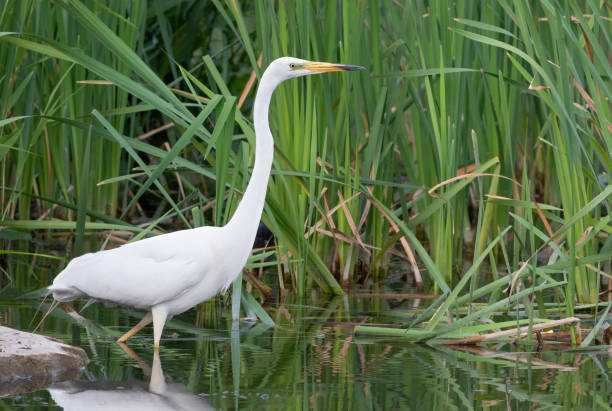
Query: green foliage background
[(479, 133)]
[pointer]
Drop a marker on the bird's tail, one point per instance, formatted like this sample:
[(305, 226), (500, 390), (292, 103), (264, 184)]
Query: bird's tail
[(64, 294), (60, 294)]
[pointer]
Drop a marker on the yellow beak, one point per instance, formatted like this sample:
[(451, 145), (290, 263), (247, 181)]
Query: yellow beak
[(320, 67)]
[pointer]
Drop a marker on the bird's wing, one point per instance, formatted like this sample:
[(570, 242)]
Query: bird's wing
[(140, 274)]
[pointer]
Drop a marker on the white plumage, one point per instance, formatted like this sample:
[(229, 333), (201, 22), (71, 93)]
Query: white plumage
[(128, 395), (168, 274), (144, 273)]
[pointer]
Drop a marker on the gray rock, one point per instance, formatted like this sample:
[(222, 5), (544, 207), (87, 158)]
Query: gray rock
[(30, 362)]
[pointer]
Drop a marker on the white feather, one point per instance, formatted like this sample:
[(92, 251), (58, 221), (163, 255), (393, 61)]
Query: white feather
[(171, 273)]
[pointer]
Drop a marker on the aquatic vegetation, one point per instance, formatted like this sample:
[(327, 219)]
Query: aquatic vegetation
[(310, 359), (476, 150)]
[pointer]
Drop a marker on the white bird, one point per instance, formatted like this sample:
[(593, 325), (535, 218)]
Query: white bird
[(129, 395), (168, 274)]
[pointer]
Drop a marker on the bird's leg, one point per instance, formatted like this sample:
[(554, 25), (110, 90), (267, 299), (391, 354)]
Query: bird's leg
[(146, 370), (145, 320), (157, 382), (89, 326), (71, 312), (159, 319)]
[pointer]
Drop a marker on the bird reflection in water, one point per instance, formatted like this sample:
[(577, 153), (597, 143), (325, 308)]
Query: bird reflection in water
[(130, 395)]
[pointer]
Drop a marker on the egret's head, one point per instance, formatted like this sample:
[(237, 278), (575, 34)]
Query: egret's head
[(288, 67)]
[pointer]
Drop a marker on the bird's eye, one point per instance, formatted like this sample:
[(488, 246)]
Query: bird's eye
[(292, 65)]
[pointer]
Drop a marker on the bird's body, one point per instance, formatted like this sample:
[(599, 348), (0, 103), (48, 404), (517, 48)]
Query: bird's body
[(132, 395), (145, 273), (168, 274)]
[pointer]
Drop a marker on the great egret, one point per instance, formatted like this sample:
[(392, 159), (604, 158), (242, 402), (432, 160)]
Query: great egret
[(168, 274), (130, 394)]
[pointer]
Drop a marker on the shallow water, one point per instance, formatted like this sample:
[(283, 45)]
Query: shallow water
[(309, 360)]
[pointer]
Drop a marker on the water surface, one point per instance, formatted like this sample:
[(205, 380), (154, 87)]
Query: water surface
[(309, 360)]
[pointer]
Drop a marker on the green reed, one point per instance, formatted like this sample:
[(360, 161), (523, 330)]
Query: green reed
[(298, 363), (475, 124)]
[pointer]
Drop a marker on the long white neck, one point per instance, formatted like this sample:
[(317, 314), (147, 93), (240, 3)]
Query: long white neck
[(248, 213)]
